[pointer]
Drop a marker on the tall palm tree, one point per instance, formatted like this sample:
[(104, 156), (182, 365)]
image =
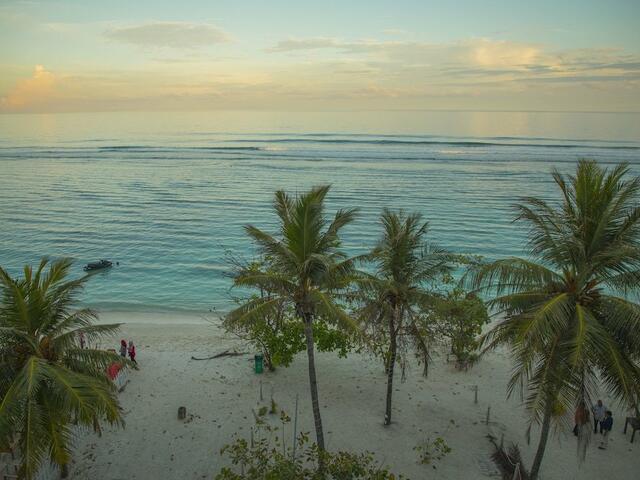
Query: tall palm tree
[(48, 383), (568, 317), (397, 292), (306, 267)]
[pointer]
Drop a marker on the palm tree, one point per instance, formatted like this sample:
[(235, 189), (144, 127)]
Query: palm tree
[(397, 294), (47, 382), (568, 319), (306, 267)]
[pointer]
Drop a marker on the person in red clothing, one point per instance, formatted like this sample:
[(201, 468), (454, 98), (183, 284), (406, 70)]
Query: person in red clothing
[(132, 352), (113, 370)]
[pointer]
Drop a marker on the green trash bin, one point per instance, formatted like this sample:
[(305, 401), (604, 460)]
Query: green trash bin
[(258, 361)]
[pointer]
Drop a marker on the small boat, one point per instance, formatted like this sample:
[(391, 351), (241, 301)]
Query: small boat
[(97, 265)]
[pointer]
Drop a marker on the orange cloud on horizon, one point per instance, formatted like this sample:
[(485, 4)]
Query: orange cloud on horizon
[(29, 91)]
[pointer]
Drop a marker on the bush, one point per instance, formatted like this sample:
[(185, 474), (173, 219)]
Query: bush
[(430, 451), (460, 317), (279, 341), (267, 459)]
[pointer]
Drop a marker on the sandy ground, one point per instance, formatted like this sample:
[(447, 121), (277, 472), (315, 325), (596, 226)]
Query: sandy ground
[(219, 396)]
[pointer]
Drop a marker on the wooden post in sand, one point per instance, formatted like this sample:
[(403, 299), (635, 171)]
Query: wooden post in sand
[(475, 396), (295, 429), (488, 414), (261, 391)]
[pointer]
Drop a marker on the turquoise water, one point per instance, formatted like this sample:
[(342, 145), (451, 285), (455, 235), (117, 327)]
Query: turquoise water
[(167, 195)]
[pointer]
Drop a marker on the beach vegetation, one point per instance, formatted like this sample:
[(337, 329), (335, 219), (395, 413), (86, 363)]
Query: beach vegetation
[(280, 342), (568, 310), (431, 451), (459, 317), (266, 457), (278, 333), (397, 293), (48, 383), (508, 460), (306, 269)]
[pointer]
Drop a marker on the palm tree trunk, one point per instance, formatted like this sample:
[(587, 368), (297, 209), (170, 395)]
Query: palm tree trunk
[(542, 445), (313, 384), (422, 347), (390, 367)]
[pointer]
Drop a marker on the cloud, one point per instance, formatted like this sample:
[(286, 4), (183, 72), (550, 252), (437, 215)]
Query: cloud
[(169, 34), (482, 52), (29, 91), (633, 65), (338, 74), (576, 79), (490, 53), (293, 44), (394, 31), (471, 59)]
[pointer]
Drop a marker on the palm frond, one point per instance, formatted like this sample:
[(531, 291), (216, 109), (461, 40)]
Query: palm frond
[(254, 310), (510, 275), (47, 382), (327, 308)]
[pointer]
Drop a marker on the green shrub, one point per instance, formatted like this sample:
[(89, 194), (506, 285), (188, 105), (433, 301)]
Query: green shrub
[(266, 458), (281, 339), (430, 451), (460, 317)]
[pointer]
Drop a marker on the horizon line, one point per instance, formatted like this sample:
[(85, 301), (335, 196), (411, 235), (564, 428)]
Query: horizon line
[(351, 110)]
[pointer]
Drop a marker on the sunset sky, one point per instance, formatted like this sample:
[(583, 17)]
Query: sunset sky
[(60, 56)]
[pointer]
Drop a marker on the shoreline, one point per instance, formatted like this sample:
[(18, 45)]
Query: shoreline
[(151, 317), (149, 309)]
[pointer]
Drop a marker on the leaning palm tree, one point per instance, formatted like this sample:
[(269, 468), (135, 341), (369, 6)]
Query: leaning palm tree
[(569, 318), (47, 383), (397, 294), (305, 267)]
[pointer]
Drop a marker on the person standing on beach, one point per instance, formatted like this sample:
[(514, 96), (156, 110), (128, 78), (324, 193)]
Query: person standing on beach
[(82, 340), (132, 352), (581, 418), (599, 412), (123, 348), (582, 429), (605, 427)]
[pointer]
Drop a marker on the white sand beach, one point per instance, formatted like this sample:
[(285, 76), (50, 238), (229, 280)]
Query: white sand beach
[(219, 395)]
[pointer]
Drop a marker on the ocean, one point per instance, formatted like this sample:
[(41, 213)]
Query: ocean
[(167, 194)]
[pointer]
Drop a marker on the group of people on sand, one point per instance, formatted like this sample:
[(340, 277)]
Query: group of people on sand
[(125, 349), (602, 418), (131, 350)]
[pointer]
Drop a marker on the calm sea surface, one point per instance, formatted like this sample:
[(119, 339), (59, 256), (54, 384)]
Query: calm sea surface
[(167, 194)]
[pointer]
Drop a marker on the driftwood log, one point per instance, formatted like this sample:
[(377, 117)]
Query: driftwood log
[(226, 353)]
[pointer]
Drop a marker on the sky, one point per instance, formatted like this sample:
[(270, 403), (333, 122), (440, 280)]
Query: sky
[(96, 55)]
